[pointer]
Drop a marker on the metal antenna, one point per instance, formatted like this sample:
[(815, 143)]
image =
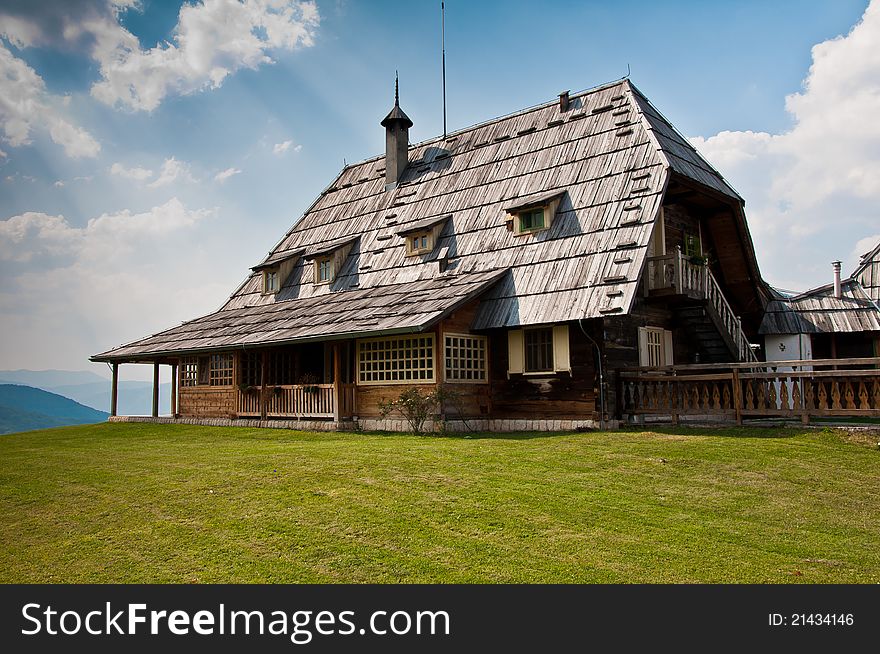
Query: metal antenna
[(396, 94), (443, 58), (627, 71)]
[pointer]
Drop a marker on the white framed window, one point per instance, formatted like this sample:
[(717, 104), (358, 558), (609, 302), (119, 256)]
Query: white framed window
[(270, 281), (324, 272), (538, 350), (465, 358), (419, 243), (655, 347), (397, 360), (220, 370), (189, 371)]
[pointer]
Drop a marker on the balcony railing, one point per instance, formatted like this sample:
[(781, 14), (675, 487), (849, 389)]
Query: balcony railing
[(805, 389), (298, 401), (676, 273)]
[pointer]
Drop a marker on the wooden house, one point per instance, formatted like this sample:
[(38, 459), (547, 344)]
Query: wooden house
[(520, 261), (840, 320)]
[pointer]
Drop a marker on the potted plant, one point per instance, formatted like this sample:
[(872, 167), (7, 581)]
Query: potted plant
[(309, 382)]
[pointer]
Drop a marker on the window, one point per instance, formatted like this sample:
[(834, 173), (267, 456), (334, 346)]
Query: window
[(465, 357), (419, 243), (407, 359), (323, 270), (270, 281), (189, 371), (538, 350), (692, 246), (220, 370), (531, 220), (655, 347)]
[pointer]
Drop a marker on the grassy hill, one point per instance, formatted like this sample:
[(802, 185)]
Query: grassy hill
[(24, 408), (175, 503)]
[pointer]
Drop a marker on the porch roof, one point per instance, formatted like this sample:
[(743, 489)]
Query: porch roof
[(356, 313), (818, 311)]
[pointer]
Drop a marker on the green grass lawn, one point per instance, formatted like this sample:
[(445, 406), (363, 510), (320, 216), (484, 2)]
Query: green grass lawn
[(175, 503)]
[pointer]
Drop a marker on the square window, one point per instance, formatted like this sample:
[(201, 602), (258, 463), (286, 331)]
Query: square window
[(531, 220)]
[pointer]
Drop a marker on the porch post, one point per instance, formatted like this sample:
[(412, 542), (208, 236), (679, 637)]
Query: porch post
[(155, 412), (114, 389), (337, 373), (263, 365), (173, 390)]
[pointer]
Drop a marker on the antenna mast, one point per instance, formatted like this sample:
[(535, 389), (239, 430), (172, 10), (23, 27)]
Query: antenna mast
[(443, 57)]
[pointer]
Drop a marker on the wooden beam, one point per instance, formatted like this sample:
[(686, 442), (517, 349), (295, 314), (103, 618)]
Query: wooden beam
[(114, 389), (155, 412), (337, 386), (174, 373), (264, 363)]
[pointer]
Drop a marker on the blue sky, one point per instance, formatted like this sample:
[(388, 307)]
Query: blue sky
[(146, 163)]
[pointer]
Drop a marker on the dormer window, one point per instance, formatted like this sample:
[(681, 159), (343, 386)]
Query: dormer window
[(328, 258), (419, 243), (531, 220), (532, 213), (270, 281), (324, 272), (422, 236), (275, 269)]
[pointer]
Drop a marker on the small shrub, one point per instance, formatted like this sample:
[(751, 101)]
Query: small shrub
[(415, 407)]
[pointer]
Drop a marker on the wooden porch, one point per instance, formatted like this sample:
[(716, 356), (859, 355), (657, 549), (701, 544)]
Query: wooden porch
[(792, 389), (298, 401), (679, 275)]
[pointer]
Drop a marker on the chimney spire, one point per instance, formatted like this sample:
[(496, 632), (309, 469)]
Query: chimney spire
[(396, 125), (838, 291)]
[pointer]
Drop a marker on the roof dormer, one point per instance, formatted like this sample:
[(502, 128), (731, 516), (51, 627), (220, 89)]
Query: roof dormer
[(328, 258), (532, 213), (276, 269), (422, 236)]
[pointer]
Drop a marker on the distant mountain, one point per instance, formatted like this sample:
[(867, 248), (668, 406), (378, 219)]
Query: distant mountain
[(135, 397), (23, 408), (50, 378), (93, 390)]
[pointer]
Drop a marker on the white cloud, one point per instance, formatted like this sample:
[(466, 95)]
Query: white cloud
[(137, 173), (34, 236), (172, 170), (2, 154), (72, 290), (284, 146), (25, 104), (212, 39), (814, 190), (223, 175), (59, 183)]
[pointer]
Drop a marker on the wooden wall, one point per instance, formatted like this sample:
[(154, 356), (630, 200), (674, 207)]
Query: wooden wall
[(678, 222), (556, 396), (207, 401)]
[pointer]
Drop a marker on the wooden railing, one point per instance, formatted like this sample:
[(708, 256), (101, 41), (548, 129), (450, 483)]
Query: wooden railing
[(805, 389), (293, 401), (675, 272)]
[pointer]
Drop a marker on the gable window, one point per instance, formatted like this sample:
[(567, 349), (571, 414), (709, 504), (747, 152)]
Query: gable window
[(692, 245), (531, 220), (270, 281), (324, 270), (465, 357), (401, 360), (538, 350), (655, 347), (419, 243)]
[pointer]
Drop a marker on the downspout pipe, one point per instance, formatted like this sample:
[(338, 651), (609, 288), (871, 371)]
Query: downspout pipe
[(601, 376)]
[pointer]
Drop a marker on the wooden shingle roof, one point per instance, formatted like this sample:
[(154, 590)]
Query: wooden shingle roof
[(608, 157), (817, 311)]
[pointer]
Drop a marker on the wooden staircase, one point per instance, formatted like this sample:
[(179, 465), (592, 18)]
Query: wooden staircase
[(699, 306)]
